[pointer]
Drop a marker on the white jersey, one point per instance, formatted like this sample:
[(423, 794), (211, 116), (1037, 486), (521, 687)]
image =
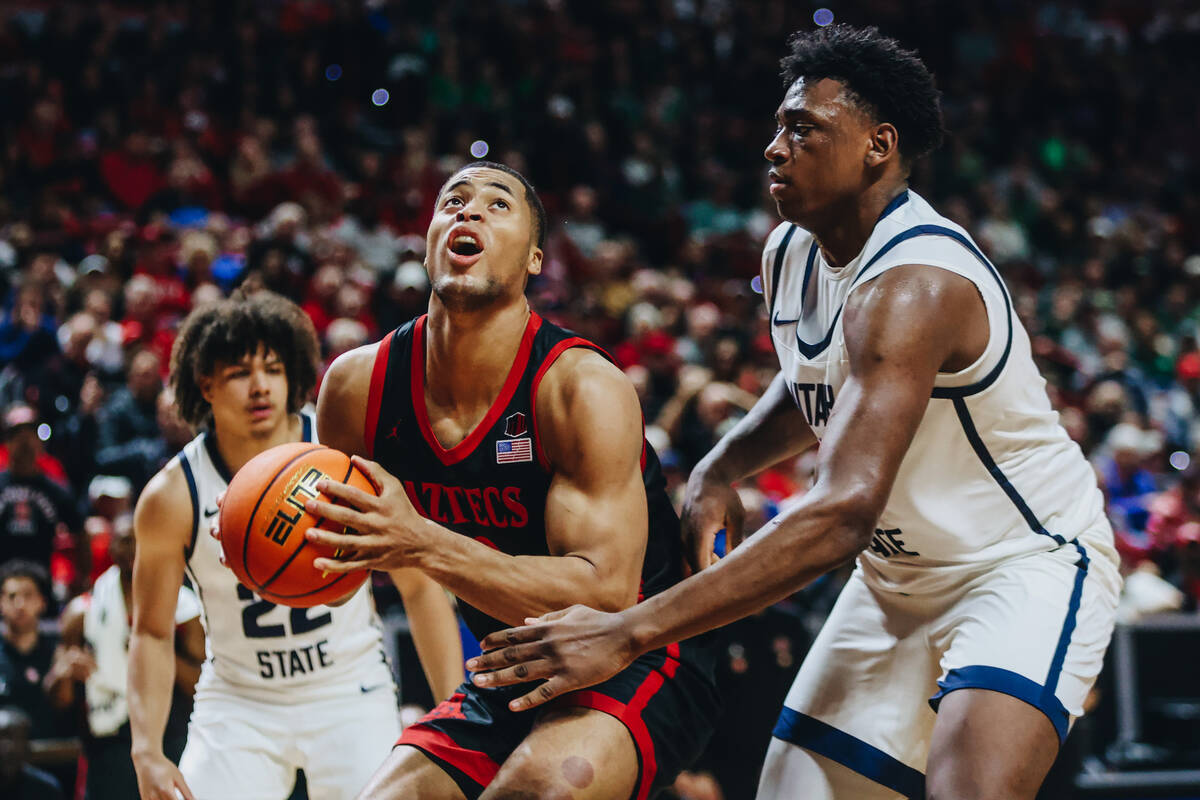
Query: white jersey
[(990, 474), (255, 646), (106, 631)]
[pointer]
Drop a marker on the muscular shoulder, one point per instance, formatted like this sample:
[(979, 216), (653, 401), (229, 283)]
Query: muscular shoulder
[(924, 309), (583, 402), (342, 402), (161, 508)]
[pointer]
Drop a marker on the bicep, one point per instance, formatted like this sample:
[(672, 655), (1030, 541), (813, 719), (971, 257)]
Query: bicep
[(162, 535), (898, 333), (342, 401), (596, 507)]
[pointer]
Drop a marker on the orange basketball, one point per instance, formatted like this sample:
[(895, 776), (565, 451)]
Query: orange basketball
[(263, 522)]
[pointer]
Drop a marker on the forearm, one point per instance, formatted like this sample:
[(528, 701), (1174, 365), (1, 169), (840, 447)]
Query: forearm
[(434, 627), (59, 686), (782, 557), (772, 430), (151, 675), (511, 588)]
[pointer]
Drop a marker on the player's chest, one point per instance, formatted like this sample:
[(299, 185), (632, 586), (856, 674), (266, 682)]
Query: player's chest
[(814, 379)]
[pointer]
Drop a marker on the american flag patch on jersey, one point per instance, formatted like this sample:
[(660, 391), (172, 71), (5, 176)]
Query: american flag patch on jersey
[(512, 451)]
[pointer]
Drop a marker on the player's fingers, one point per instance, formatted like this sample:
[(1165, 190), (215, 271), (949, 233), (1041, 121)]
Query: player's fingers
[(182, 788), (346, 493), (374, 472), (501, 657), (519, 673), (701, 545), (337, 565), (735, 526), (511, 636), (550, 616), (220, 499), (542, 694), (343, 515), (343, 541)]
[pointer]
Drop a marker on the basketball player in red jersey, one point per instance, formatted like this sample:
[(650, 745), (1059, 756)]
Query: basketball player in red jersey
[(513, 470)]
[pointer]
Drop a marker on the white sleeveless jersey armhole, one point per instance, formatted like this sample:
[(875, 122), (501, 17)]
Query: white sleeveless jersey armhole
[(990, 473)]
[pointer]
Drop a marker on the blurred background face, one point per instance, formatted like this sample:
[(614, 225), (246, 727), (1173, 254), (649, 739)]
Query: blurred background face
[(145, 378), (480, 245), (121, 544), (21, 604)]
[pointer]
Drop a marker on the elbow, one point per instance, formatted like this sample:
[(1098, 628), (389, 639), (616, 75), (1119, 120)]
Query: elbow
[(852, 525)]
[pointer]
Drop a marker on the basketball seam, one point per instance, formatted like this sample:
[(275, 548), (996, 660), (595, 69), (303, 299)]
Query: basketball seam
[(296, 552), (258, 503)]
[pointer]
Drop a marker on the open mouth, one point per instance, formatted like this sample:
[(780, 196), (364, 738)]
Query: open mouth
[(465, 244)]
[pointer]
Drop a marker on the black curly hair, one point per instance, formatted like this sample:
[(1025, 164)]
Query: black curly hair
[(885, 80), (228, 331), (536, 209)]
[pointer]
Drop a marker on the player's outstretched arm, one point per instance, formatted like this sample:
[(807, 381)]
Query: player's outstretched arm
[(162, 534), (900, 330), (772, 431), (434, 630), (590, 425)]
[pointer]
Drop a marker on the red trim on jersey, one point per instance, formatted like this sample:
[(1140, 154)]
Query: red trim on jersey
[(630, 715), (375, 394), (475, 764), (551, 357), (467, 445)]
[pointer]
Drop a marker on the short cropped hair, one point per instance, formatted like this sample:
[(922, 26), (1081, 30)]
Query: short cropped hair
[(24, 568), (536, 209), (886, 81), (226, 332)]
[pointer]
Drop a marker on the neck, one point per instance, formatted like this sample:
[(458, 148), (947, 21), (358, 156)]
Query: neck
[(236, 450), (468, 354), (24, 641), (845, 229)]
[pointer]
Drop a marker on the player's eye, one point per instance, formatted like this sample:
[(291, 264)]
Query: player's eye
[(454, 201), (801, 129), (501, 203)]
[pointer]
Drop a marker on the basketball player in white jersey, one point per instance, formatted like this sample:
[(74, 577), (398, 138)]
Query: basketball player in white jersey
[(986, 581), (280, 689)]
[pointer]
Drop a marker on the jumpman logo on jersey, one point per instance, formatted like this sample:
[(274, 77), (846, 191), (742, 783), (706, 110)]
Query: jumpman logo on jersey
[(395, 432)]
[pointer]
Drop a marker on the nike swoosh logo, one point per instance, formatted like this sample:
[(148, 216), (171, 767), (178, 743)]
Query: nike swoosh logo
[(778, 321), (366, 689), (208, 513)]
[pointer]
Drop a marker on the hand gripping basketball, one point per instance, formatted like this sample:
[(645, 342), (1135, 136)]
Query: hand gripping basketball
[(263, 520)]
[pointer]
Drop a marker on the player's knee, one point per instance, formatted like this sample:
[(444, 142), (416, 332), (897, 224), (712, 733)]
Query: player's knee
[(955, 785), (525, 780)]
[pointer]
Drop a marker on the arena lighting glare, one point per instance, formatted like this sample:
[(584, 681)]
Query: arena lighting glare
[(823, 16), (1180, 460), (479, 148), (380, 97), (43, 432), (333, 72)]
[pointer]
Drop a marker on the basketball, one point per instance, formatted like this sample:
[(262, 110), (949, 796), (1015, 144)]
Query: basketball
[(263, 523)]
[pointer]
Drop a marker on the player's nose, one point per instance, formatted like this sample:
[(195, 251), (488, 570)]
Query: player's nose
[(776, 153), (469, 213)]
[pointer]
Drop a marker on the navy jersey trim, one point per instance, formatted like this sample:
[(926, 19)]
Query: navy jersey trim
[(976, 442), (777, 271), (892, 205), (306, 428), (195, 495), (210, 446), (1013, 684), (1064, 638), (849, 751)]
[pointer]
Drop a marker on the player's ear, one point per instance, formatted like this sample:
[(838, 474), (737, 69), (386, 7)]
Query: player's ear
[(534, 267), (204, 384), (883, 144)]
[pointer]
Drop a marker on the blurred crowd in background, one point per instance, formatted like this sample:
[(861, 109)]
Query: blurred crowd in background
[(154, 156)]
